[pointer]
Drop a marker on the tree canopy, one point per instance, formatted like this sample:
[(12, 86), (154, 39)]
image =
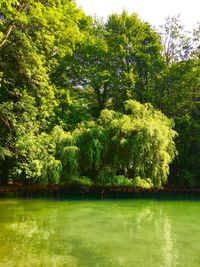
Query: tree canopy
[(85, 100)]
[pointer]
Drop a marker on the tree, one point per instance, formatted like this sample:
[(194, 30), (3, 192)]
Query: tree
[(131, 148), (115, 61), (179, 88), (177, 45), (179, 99), (86, 74), (196, 41), (135, 57), (34, 36)]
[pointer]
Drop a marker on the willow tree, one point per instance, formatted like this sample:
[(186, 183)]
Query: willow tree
[(138, 146)]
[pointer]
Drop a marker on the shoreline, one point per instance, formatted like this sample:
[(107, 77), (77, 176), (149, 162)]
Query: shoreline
[(91, 189)]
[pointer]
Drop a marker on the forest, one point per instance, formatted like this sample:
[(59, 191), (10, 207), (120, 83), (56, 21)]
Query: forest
[(90, 102)]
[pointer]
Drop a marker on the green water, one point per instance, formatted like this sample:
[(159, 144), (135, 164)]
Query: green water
[(99, 233)]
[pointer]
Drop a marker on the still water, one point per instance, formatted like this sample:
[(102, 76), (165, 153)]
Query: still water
[(101, 233)]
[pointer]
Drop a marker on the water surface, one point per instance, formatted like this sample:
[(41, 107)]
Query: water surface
[(101, 233)]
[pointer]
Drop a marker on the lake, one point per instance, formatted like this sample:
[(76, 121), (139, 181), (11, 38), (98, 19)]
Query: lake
[(101, 233)]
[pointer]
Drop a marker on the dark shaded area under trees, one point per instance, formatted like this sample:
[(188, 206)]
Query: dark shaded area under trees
[(97, 103)]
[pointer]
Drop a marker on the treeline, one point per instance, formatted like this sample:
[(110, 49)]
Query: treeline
[(84, 101)]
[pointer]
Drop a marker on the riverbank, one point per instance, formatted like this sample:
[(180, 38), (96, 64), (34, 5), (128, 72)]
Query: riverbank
[(89, 189)]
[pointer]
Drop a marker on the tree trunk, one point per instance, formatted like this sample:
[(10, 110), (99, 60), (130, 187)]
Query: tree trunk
[(5, 171)]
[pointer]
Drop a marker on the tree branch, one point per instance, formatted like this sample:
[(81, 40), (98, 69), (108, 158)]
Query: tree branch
[(11, 24), (7, 32)]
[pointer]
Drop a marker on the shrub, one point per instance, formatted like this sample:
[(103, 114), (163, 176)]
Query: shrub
[(142, 183), (82, 181)]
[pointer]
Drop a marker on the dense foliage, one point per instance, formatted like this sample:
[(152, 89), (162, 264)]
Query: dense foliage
[(71, 94), (118, 148)]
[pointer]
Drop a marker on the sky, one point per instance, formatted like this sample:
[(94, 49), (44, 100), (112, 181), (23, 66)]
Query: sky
[(152, 11)]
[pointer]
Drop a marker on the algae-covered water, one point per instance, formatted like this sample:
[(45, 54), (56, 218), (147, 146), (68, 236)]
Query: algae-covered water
[(103, 233)]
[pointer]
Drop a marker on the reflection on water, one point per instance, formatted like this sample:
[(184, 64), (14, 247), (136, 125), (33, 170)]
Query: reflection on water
[(99, 233)]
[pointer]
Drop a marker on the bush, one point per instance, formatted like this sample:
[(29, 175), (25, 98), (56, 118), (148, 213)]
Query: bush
[(81, 181), (142, 183), (121, 180), (106, 176)]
